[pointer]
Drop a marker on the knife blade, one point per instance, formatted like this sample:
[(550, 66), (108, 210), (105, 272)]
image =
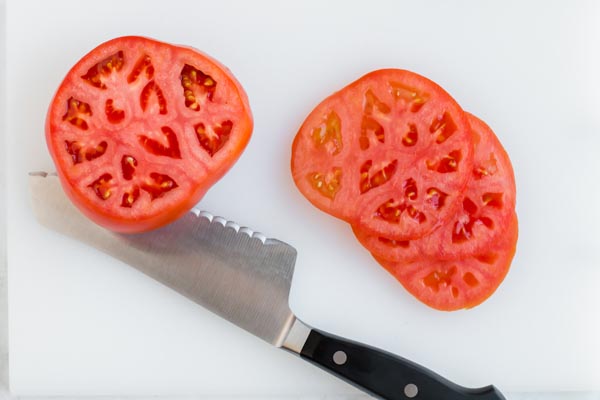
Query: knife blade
[(244, 277), (226, 260)]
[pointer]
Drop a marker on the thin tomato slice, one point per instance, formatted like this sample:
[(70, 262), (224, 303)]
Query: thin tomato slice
[(486, 209), (454, 284), (139, 130), (370, 153)]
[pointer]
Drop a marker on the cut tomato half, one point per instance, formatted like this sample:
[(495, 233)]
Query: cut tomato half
[(373, 153), (139, 130), (454, 284), (486, 209)]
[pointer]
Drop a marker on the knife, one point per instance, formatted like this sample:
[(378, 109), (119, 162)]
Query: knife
[(245, 277)]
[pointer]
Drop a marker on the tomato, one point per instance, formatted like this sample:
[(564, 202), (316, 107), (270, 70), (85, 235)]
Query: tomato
[(139, 130), (488, 205), (391, 153), (453, 284), (428, 189)]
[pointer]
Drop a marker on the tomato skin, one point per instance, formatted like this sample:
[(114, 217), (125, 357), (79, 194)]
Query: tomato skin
[(196, 170), (369, 120)]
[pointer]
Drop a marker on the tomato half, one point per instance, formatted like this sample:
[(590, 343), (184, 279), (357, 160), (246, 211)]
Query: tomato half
[(391, 153), (139, 130), (487, 207), (454, 284)]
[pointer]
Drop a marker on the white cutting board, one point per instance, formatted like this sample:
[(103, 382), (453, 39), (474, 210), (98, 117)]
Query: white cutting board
[(84, 324)]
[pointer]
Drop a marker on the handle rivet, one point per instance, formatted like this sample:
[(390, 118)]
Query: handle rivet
[(339, 357), (411, 390)]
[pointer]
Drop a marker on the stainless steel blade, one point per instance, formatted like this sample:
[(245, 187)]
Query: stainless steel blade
[(234, 272)]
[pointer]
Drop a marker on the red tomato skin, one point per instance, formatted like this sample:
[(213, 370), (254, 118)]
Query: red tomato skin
[(106, 218)]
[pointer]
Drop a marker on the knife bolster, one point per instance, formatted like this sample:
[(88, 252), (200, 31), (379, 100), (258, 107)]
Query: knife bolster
[(296, 337)]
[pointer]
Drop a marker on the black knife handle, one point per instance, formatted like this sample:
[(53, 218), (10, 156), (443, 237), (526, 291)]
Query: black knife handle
[(382, 374)]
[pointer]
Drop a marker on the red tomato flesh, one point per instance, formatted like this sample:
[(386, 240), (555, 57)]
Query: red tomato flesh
[(465, 282), (139, 130), (487, 207), (382, 151)]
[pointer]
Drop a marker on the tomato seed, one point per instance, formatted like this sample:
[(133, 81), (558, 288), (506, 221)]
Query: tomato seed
[(204, 85), (105, 67), (329, 134)]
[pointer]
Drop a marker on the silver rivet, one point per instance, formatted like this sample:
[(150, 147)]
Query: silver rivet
[(411, 390), (339, 357)]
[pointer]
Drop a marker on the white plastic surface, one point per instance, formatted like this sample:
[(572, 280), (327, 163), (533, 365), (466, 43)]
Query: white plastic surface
[(82, 323)]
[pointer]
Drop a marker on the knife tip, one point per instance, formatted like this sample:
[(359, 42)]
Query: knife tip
[(42, 174)]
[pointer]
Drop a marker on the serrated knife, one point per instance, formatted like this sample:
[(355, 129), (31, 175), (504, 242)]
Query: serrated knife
[(245, 278)]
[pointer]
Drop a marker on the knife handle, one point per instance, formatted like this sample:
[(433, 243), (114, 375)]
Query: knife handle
[(382, 374)]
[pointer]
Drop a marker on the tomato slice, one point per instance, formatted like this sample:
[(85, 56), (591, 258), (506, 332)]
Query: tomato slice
[(453, 284), (372, 153), (139, 130), (486, 209)]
